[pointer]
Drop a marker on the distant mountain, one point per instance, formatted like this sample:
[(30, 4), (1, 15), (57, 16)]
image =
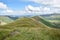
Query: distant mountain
[(54, 16)]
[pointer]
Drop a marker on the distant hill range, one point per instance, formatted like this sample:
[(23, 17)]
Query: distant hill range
[(48, 19), (54, 16)]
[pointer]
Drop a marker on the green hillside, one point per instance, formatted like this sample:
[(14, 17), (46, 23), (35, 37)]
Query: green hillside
[(5, 19), (53, 18), (44, 21), (28, 29), (24, 22)]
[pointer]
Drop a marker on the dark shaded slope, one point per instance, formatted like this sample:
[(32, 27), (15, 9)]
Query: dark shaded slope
[(40, 19)]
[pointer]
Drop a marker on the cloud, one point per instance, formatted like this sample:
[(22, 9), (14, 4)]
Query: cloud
[(37, 10), (54, 3), (49, 6), (4, 9), (9, 11), (33, 8), (3, 6)]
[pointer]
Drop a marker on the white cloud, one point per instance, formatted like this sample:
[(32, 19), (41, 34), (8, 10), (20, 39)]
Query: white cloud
[(49, 6), (54, 3), (3, 6), (37, 10), (52, 6), (32, 8), (9, 11), (5, 9)]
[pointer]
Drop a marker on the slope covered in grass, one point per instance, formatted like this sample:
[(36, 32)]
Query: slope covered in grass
[(5, 19), (53, 18), (44, 21), (25, 22), (28, 29)]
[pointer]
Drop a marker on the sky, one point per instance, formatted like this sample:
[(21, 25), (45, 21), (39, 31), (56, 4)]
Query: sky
[(29, 7)]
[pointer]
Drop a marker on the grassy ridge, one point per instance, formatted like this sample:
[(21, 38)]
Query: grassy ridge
[(29, 30), (24, 22)]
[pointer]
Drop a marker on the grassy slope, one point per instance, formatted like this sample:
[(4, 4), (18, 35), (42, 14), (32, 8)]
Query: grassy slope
[(29, 30), (5, 19), (40, 19), (53, 18), (24, 22)]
